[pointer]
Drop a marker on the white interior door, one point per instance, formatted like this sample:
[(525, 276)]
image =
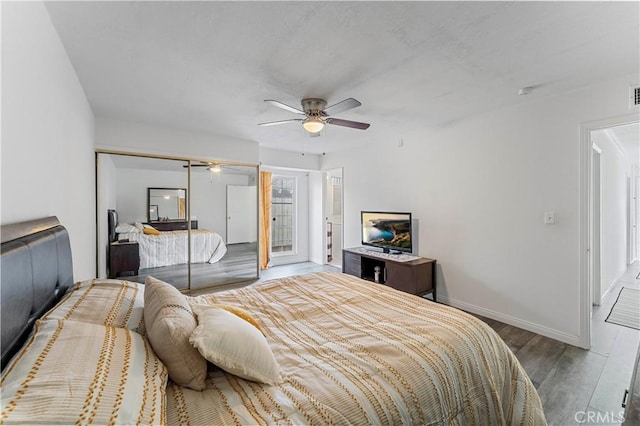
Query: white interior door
[(242, 214)]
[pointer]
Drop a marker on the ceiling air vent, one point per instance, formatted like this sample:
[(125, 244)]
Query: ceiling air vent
[(634, 97)]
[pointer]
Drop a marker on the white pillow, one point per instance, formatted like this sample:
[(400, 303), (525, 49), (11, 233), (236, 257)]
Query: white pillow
[(139, 226), (124, 228), (234, 345)]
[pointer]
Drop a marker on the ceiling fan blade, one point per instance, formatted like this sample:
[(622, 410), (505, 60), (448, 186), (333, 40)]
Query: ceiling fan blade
[(342, 106), (284, 106), (273, 123), (348, 123), (197, 165)]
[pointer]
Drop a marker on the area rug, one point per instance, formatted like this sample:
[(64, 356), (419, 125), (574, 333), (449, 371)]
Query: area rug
[(626, 310)]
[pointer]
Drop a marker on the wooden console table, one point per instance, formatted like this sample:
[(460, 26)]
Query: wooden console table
[(415, 276)]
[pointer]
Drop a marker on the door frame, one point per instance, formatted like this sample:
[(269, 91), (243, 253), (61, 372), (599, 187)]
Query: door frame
[(595, 259), (584, 265)]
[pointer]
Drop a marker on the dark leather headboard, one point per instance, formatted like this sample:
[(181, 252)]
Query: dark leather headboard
[(112, 222), (36, 271)]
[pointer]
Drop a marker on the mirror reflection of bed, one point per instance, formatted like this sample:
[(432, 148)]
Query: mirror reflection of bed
[(131, 186)]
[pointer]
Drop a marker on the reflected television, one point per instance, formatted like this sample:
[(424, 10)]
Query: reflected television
[(390, 231)]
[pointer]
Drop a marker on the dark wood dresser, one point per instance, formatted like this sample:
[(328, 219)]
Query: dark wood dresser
[(173, 225)]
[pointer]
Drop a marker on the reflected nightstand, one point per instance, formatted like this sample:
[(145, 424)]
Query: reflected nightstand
[(124, 259)]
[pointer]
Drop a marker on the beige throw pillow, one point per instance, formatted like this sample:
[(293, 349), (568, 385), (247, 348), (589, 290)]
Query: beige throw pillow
[(169, 322), (234, 345)]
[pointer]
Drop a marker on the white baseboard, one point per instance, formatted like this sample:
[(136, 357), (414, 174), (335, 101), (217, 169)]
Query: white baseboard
[(606, 293), (613, 283), (516, 322)]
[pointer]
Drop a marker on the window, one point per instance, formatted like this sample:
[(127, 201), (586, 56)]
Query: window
[(282, 213)]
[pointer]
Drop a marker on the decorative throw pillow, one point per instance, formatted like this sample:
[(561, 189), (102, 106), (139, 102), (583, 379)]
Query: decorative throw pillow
[(150, 230), (234, 345), (238, 311), (169, 321), (124, 228)]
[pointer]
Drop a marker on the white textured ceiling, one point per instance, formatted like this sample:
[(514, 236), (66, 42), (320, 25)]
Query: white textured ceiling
[(414, 65)]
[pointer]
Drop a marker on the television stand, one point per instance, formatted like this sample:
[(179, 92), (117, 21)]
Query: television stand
[(408, 273)]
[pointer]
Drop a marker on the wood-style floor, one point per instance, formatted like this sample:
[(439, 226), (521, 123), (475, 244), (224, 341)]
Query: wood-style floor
[(576, 386), (239, 264)]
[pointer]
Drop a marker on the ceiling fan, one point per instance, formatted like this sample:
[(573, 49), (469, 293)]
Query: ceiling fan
[(317, 114), (211, 166)]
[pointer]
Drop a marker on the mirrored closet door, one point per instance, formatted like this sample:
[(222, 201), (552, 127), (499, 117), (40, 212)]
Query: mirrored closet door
[(170, 219), (234, 259)]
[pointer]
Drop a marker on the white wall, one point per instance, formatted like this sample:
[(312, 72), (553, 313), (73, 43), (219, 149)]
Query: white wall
[(287, 159), (316, 218), (47, 132), (480, 188), (124, 136), (614, 172), (106, 200)]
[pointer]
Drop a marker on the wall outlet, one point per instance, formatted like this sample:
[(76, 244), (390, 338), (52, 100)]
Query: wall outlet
[(549, 218)]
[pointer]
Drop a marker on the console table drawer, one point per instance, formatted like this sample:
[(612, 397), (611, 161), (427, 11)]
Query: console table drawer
[(351, 264)]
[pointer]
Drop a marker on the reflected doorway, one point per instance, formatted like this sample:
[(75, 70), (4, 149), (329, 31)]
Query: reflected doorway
[(333, 213)]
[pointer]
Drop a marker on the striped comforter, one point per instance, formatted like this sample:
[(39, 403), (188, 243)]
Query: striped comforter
[(170, 247), (354, 352)]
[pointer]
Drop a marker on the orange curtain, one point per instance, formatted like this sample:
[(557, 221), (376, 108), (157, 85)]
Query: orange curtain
[(265, 219)]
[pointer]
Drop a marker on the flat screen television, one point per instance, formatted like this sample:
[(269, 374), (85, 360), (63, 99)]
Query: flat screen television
[(390, 231)]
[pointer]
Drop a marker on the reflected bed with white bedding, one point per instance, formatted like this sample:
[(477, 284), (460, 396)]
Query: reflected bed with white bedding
[(170, 247)]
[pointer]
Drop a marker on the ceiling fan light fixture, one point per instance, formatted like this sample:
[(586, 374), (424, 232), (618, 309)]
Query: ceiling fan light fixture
[(313, 124), (214, 168)]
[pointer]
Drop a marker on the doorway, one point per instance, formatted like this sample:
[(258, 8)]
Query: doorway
[(609, 162), (333, 216), (289, 216)]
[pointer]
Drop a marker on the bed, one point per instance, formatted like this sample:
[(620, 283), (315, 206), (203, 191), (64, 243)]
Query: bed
[(339, 350), (169, 247)]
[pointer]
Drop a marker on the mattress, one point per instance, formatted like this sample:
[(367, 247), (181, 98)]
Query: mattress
[(170, 247), (355, 352)]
